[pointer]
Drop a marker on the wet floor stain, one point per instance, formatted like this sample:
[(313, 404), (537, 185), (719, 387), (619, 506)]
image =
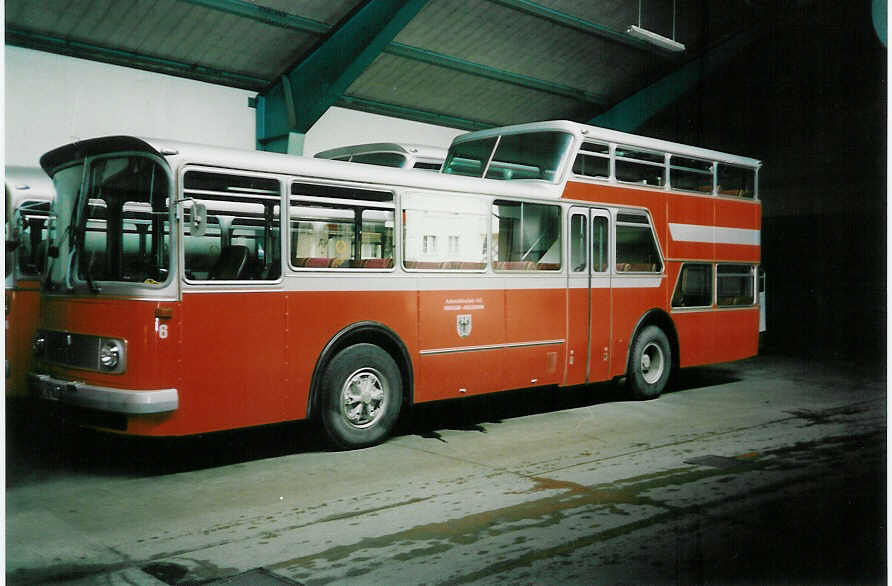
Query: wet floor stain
[(560, 500)]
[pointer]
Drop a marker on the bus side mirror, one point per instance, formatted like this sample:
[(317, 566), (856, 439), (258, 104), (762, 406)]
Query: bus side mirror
[(198, 219)]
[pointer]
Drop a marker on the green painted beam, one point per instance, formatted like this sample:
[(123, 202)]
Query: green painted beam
[(295, 102), (640, 107), (581, 24), (406, 113), (485, 71), (50, 44), (263, 14)]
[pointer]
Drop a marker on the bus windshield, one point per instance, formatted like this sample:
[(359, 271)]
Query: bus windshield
[(530, 155), (112, 223)]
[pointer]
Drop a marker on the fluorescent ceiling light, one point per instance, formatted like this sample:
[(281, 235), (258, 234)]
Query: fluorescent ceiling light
[(655, 39)]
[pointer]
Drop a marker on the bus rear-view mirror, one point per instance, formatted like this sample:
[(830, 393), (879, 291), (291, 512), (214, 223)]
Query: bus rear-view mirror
[(198, 219)]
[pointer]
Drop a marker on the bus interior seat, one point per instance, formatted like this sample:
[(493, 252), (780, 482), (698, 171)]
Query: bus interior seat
[(230, 264), (377, 263), (40, 256)]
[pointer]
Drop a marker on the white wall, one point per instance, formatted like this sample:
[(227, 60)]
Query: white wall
[(52, 100), (341, 127)]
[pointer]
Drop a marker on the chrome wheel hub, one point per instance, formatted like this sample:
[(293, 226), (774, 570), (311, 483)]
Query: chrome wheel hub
[(363, 398), (652, 363)]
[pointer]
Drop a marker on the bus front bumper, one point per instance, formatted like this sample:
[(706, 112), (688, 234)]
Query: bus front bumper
[(80, 394)]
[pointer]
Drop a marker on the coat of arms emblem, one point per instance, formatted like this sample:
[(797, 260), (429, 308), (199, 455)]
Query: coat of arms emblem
[(463, 325)]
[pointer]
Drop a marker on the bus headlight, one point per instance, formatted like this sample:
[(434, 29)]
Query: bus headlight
[(38, 344), (110, 353)]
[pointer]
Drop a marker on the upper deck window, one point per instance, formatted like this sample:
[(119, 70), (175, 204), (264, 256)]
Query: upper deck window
[(469, 158), (641, 167), (530, 155), (736, 181), (593, 160), (690, 174)]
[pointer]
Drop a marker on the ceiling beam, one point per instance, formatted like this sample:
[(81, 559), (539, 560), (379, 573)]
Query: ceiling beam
[(485, 71), (50, 44), (302, 95), (263, 14), (631, 113), (407, 113), (580, 24)]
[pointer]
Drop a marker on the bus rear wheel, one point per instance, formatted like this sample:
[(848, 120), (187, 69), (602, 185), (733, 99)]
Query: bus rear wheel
[(650, 364), (361, 396)]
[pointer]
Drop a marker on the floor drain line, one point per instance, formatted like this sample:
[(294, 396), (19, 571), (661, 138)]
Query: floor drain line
[(176, 575), (717, 461)]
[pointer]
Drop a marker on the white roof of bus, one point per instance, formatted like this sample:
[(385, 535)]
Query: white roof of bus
[(27, 183), (594, 133), (416, 150), (179, 154)]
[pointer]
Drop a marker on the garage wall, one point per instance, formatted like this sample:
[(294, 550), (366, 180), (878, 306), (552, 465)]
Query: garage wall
[(809, 100), (52, 100)]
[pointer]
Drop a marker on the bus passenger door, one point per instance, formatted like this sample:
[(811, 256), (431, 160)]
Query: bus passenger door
[(601, 326), (588, 296)]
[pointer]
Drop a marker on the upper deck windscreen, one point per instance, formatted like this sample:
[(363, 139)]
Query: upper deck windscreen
[(530, 155)]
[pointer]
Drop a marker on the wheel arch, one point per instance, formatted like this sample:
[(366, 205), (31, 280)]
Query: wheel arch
[(362, 332), (663, 320)]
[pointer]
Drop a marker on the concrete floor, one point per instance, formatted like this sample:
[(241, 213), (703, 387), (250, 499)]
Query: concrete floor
[(762, 471)]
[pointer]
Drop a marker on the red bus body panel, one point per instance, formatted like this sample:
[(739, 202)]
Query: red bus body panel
[(22, 315), (244, 354)]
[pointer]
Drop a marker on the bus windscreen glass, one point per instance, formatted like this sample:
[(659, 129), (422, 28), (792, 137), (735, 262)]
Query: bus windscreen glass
[(531, 155)]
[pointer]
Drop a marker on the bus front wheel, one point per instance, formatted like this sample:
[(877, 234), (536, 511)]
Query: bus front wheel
[(650, 363), (362, 395)]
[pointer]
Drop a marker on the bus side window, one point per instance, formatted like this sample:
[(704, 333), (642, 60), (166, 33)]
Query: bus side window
[(694, 287), (32, 219), (444, 232), (355, 233), (526, 236), (735, 285), (636, 248), (577, 243), (241, 242), (600, 245)]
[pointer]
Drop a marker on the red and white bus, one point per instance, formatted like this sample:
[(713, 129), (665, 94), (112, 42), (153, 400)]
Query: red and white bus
[(29, 193), (191, 289)]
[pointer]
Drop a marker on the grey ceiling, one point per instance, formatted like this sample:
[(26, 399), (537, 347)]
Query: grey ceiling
[(473, 63)]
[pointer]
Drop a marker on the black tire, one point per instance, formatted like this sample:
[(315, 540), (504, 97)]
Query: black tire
[(650, 364), (362, 393)]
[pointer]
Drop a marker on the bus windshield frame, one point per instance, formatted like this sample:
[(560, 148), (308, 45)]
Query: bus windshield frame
[(538, 155), (108, 210)]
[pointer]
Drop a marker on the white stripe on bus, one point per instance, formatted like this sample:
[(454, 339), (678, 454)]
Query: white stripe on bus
[(714, 234)]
